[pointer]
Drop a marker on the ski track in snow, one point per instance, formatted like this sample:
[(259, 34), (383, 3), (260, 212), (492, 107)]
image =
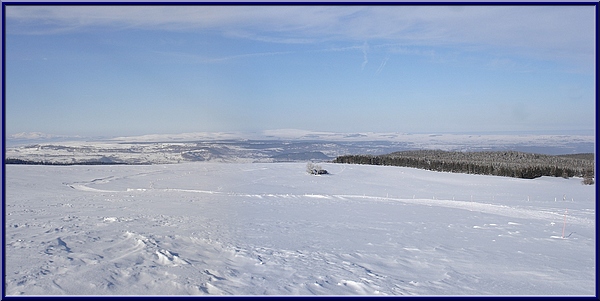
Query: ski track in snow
[(233, 229), (471, 206)]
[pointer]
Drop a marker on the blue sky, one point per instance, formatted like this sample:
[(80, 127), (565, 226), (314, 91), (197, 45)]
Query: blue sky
[(133, 70)]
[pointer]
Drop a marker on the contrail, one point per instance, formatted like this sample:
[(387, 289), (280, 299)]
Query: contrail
[(382, 65), (364, 48)]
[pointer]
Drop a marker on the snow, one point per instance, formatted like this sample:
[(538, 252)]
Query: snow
[(273, 229)]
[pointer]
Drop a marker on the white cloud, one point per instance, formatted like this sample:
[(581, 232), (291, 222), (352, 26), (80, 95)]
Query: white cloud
[(549, 32), (198, 58)]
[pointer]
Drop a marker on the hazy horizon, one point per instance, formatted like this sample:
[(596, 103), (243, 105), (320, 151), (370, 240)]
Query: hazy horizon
[(44, 135)]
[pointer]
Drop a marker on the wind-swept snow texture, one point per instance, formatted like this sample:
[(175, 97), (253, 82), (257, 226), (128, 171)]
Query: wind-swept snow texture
[(274, 229)]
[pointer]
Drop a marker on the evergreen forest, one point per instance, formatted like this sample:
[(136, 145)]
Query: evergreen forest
[(498, 163)]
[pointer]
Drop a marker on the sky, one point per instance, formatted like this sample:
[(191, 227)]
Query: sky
[(135, 70)]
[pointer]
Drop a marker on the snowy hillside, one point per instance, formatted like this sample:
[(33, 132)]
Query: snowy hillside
[(273, 229)]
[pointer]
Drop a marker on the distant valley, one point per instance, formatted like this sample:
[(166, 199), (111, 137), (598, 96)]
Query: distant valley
[(274, 146)]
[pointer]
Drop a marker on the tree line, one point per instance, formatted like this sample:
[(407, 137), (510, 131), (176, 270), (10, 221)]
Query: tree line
[(498, 163)]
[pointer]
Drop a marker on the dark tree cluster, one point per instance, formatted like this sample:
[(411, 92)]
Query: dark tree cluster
[(499, 163), (314, 169)]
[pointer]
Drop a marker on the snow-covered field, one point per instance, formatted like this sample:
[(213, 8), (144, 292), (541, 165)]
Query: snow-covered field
[(273, 229)]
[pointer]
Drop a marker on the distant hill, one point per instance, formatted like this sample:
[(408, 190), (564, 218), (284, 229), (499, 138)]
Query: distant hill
[(91, 162), (302, 156)]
